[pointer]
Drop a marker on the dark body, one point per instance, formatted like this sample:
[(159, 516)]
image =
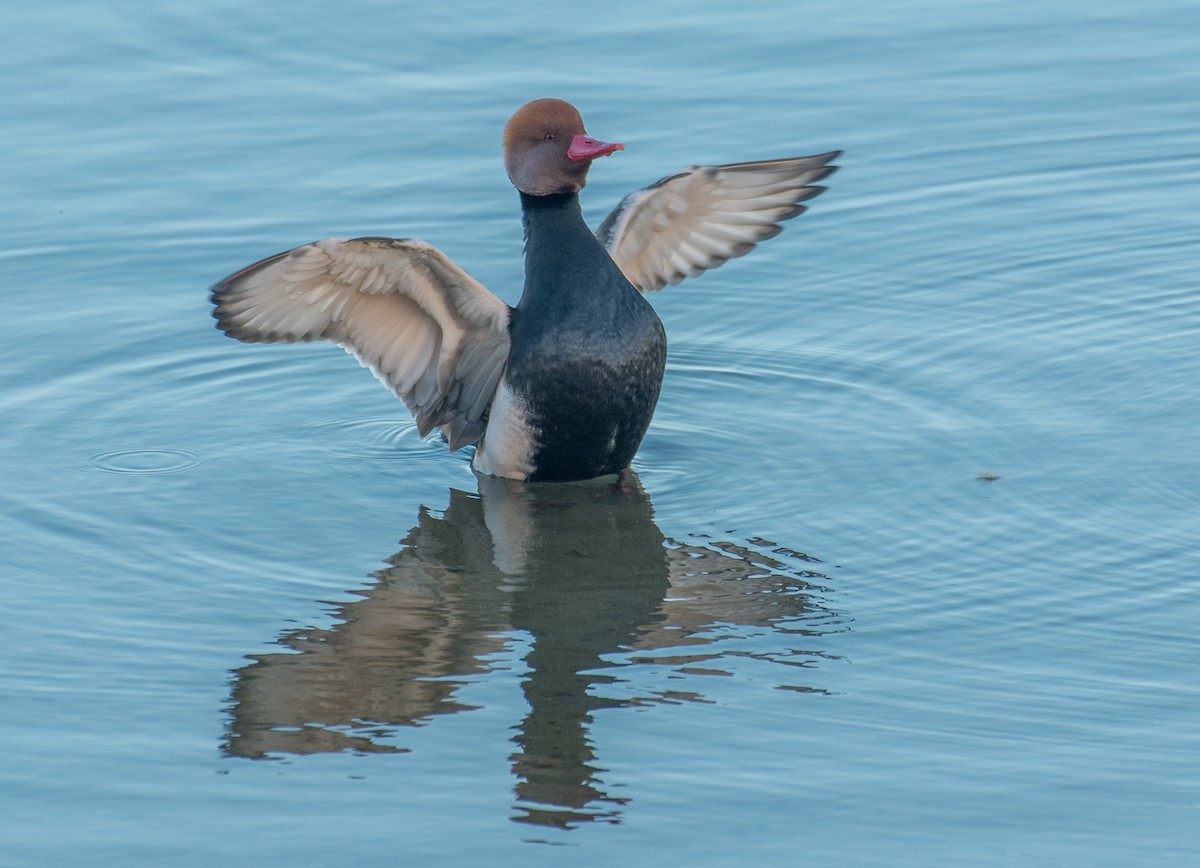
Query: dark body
[(588, 351)]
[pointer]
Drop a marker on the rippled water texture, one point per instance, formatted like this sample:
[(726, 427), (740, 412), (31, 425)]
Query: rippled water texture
[(906, 570)]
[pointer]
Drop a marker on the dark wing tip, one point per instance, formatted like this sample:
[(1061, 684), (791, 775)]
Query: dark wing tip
[(218, 295), (224, 291), (809, 191)]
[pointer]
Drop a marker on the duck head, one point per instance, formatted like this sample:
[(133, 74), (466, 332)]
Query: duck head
[(546, 149)]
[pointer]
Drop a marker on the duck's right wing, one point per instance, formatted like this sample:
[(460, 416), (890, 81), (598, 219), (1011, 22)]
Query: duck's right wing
[(432, 333), (704, 216)]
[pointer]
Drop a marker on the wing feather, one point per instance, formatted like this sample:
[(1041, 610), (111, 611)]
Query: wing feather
[(703, 216), (427, 329)]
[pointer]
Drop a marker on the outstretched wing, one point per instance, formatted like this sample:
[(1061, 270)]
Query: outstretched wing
[(697, 219), (432, 333)]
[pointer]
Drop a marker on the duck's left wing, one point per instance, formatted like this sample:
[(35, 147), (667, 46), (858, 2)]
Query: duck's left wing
[(432, 333), (703, 216)]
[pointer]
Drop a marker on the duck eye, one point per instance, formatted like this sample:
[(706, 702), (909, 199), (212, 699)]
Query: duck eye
[(549, 137)]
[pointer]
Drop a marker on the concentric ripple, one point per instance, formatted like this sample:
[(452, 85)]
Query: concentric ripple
[(143, 461), (376, 438)]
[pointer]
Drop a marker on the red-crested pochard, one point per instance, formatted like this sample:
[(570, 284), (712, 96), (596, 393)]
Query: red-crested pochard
[(561, 387)]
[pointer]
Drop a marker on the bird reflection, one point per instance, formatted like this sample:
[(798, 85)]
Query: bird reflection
[(583, 571)]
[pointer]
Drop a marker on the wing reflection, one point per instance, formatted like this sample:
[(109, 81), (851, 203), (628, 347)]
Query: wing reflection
[(582, 570)]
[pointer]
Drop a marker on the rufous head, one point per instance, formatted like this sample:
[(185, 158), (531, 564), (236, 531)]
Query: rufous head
[(546, 149)]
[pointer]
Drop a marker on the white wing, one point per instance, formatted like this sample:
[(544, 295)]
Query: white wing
[(432, 333), (697, 219)]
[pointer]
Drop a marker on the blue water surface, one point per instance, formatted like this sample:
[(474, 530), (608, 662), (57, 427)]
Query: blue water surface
[(906, 573)]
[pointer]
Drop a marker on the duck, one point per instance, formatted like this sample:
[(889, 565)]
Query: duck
[(562, 387)]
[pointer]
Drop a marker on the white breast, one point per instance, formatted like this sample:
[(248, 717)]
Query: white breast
[(508, 444)]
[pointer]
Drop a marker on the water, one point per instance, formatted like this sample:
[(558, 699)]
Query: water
[(907, 573)]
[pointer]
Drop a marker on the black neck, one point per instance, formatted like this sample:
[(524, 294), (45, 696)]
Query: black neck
[(556, 217), (560, 250), (554, 200)]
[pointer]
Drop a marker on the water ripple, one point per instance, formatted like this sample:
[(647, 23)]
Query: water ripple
[(377, 438), (143, 461)]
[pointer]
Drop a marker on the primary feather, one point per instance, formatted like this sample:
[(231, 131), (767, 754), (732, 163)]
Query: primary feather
[(704, 216), (432, 333)]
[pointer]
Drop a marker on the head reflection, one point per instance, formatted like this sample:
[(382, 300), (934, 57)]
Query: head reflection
[(582, 569)]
